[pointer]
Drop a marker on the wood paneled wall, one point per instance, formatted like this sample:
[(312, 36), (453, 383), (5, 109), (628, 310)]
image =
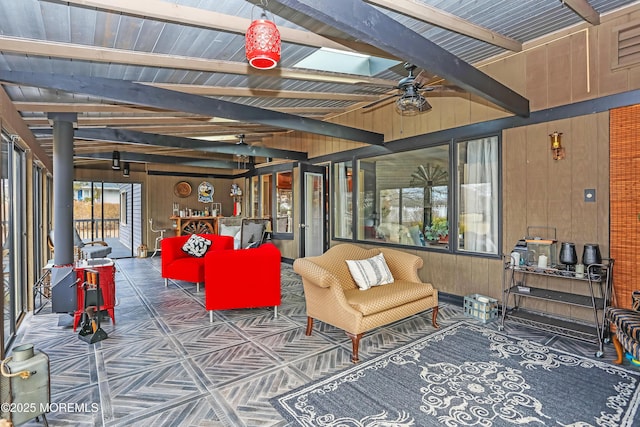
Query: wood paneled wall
[(540, 191), (537, 190), (625, 203)]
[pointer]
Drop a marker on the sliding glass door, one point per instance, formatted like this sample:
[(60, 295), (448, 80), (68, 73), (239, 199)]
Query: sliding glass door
[(110, 212), (13, 217)]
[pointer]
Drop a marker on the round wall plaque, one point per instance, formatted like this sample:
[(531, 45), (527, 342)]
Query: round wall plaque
[(182, 189)]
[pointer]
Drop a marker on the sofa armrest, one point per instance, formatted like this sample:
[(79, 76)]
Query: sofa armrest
[(635, 300), (325, 296), (315, 274), (403, 266), (172, 249)]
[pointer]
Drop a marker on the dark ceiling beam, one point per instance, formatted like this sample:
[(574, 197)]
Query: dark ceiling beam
[(369, 25), (136, 93), (156, 158), (154, 140)]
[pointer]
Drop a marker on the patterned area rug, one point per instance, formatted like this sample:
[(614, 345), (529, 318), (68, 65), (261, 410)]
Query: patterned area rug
[(469, 375)]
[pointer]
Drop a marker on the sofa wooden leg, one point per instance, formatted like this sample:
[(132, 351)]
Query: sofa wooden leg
[(309, 325), (619, 350), (355, 344), (434, 317)]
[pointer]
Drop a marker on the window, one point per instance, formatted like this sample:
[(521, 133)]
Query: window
[(255, 197), (284, 200), (403, 198), (342, 212), (273, 201), (123, 208), (478, 195), (413, 199), (267, 189)]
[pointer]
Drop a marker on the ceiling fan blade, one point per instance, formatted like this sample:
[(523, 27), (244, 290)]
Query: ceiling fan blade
[(440, 88), (386, 98)]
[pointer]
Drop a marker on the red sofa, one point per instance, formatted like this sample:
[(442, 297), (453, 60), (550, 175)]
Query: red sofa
[(178, 265), (243, 278)]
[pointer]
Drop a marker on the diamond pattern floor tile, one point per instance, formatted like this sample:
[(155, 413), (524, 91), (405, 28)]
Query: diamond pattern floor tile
[(165, 364)]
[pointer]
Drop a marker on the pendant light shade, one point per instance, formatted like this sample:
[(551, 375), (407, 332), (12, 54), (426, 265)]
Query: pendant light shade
[(115, 160), (262, 43)]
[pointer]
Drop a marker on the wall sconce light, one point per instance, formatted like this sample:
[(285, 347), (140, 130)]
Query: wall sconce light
[(556, 145), (125, 169), (115, 161)]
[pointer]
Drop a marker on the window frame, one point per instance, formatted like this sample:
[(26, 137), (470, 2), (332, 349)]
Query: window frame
[(258, 179), (454, 189), (124, 205)]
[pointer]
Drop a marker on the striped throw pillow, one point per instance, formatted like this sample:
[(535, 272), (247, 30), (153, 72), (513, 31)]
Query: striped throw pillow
[(370, 272)]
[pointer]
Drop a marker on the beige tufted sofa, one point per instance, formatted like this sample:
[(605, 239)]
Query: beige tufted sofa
[(333, 297)]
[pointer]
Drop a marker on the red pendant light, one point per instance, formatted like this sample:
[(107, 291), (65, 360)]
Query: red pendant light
[(262, 42)]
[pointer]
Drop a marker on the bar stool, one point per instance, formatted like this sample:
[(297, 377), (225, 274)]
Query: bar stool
[(156, 247)]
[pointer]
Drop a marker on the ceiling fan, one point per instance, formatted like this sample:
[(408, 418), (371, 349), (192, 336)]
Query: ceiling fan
[(241, 158), (410, 88)]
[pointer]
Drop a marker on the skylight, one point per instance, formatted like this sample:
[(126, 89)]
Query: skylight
[(339, 61)]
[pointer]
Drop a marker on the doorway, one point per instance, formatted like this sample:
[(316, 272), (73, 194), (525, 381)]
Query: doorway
[(110, 212), (314, 227)]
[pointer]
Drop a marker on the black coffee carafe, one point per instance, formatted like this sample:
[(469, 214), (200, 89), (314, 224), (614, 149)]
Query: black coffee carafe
[(568, 255), (591, 254)]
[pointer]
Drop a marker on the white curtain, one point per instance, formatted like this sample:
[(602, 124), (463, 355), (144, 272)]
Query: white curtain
[(342, 201), (480, 196)]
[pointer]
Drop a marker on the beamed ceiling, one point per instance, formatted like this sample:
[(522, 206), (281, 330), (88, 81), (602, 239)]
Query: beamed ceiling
[(152, 78)]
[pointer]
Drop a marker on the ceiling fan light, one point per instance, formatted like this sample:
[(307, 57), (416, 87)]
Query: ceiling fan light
[(412, 103)]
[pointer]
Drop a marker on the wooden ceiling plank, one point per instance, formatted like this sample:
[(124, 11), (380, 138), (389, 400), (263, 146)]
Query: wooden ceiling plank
[(122, 120), (128, 57), (584, 9), (186, 15), (447, 21), (70, 107)]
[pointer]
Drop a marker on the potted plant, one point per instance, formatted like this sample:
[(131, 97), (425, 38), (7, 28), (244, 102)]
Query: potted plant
[(438, 230)]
